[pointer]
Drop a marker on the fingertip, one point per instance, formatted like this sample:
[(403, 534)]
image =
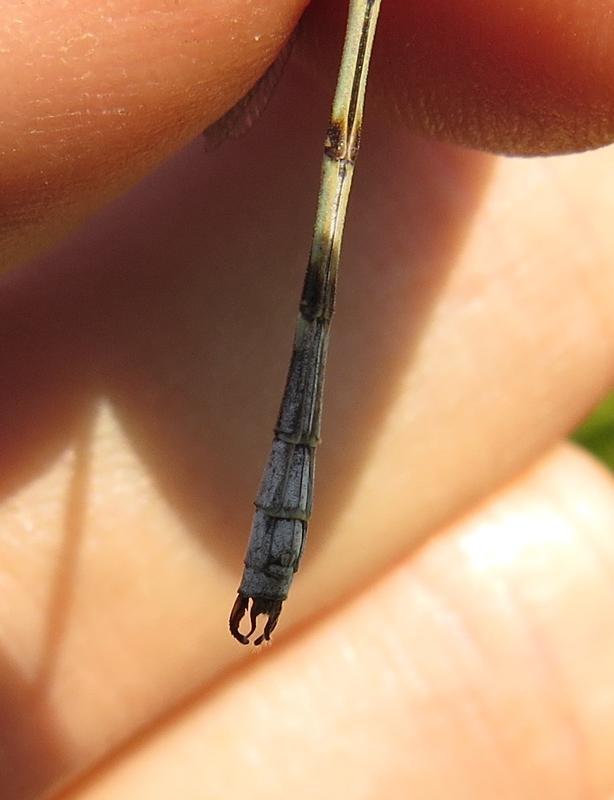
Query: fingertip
[(517, 78), (525, 79), (96, 94)]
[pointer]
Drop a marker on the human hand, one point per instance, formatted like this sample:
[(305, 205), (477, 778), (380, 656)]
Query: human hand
[(449, 634)]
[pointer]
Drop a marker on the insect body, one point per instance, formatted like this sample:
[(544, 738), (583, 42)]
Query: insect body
[(283, 504)]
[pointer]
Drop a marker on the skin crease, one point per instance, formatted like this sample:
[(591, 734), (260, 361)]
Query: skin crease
[(145, 365)]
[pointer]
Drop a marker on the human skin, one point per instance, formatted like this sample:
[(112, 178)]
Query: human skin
[(450, 633)]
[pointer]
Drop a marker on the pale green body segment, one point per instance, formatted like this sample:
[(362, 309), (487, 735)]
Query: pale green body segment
[(283, 504)]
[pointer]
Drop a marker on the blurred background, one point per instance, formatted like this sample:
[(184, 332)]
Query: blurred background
[(597, 432)]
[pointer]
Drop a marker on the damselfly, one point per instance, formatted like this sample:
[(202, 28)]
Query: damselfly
[(284, 501)]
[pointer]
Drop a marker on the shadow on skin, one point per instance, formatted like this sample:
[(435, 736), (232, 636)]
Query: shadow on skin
[(33, 758), (177, 305), (178, 302), (74, 528)]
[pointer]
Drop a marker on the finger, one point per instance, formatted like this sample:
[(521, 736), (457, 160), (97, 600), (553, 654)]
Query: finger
[(89, 115), (480, 668), (515, 78), (142, 397), (95, 94)]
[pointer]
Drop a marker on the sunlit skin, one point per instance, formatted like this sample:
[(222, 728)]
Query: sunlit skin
[(451, 632)]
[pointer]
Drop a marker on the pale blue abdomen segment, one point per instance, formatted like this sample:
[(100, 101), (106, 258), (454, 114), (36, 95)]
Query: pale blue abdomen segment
[(286, 488), (273, 555)]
